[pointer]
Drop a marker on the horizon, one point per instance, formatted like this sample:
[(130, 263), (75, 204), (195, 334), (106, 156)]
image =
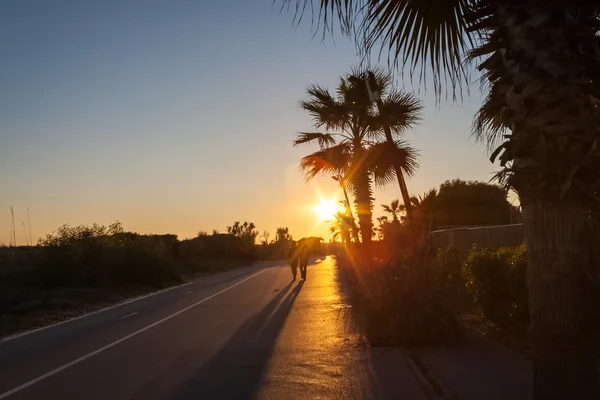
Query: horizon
[(114, 112)]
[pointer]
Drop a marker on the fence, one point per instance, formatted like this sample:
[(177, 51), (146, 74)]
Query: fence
[(466, 237)]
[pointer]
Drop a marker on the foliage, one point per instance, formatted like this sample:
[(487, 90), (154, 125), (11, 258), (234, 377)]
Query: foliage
[(224, 247), (496, 281), (460, 203), (394, 209), (67, 235), (245, 231), (282, 234), (349, 146), (448, 263), (341, 227), (94, 256), (400, 304)]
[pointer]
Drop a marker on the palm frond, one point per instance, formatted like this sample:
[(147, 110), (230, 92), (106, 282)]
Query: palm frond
[(331, 160), (489, 124), (382, 79), (383, 156), (423, 34), (324, 139), (402, 111), (324, 108)]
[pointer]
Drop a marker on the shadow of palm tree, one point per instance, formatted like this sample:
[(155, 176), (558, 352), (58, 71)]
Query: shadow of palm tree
[(235, 372)]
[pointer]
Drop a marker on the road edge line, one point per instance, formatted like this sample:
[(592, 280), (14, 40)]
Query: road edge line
[(123, 339)]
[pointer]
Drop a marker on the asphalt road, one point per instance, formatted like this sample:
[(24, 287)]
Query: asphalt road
[(251, 333)]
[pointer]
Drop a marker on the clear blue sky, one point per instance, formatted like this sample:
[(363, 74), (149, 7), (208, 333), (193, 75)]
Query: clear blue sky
[(178, 116)]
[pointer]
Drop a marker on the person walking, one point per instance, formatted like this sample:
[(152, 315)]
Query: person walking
[(303, 254), (293, 258)]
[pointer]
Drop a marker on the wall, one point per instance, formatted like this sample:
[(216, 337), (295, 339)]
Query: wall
[(465, 238)]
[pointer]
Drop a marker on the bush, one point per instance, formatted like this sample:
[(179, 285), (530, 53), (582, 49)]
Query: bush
[(95, 256), (448, 265), (402, 304), (496, 280), (222, 247)]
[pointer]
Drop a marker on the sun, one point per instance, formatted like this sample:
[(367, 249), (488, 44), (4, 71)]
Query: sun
[(326, 209)]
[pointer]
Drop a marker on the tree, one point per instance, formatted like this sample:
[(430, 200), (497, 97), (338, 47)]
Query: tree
[(245, 231), (342, 226), (264, 238), (541, 64), (462, 203), (394, 114), (382, 229), (348, 148), (283, 235), (394, 209)]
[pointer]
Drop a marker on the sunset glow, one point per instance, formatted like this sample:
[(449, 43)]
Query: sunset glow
[(326, 209)]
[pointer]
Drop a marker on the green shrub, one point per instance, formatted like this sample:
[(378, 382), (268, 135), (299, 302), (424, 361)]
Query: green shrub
[(402, 304), (99, 256), (448, 265), (496, 280)]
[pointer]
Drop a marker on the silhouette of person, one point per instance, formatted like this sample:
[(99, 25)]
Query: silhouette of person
[(303, 254), (293, 258)]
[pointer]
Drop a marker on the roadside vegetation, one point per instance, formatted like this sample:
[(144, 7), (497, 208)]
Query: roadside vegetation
[(77, 269), (539, 62), (401, 294)]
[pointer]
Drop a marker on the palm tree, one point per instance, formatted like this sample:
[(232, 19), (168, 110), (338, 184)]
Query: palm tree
[(342, 226), (394, 209), (395, 113), (347, 148), (348, 208), (541, 63), (381, 229)]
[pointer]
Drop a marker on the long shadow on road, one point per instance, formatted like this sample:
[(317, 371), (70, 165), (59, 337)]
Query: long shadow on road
[(235, 372)]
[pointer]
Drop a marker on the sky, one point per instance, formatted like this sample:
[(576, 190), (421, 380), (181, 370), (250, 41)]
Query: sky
[(178, 117)]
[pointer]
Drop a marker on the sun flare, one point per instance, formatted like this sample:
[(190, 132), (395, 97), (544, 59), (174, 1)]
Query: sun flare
[(326, 209)]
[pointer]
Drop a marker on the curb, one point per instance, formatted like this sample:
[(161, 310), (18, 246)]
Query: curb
[(432, 387)]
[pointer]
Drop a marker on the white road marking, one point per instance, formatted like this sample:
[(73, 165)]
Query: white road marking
[(124, 338), (190, 292), (129, 315), (18, 335)]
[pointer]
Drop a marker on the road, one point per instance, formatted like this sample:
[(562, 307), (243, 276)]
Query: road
[(251, 333)]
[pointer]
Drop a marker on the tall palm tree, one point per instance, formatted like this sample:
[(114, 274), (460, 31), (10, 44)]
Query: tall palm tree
[(394, 113), (347, 148), (542, 66)]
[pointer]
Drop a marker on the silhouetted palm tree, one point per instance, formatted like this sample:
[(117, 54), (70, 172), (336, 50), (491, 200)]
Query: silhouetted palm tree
[(393, 113), (382, 228), (541, 62), (348, 147), (342, 226), (394, 209)]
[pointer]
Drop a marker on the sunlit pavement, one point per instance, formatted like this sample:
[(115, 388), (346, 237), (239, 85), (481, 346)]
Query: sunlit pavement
[(319, 355), (251, 333)]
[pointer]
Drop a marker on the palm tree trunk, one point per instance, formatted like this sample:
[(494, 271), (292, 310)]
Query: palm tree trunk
[(401, 181), (541, 74), (563, 334), (348, 208), (363, 201)]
